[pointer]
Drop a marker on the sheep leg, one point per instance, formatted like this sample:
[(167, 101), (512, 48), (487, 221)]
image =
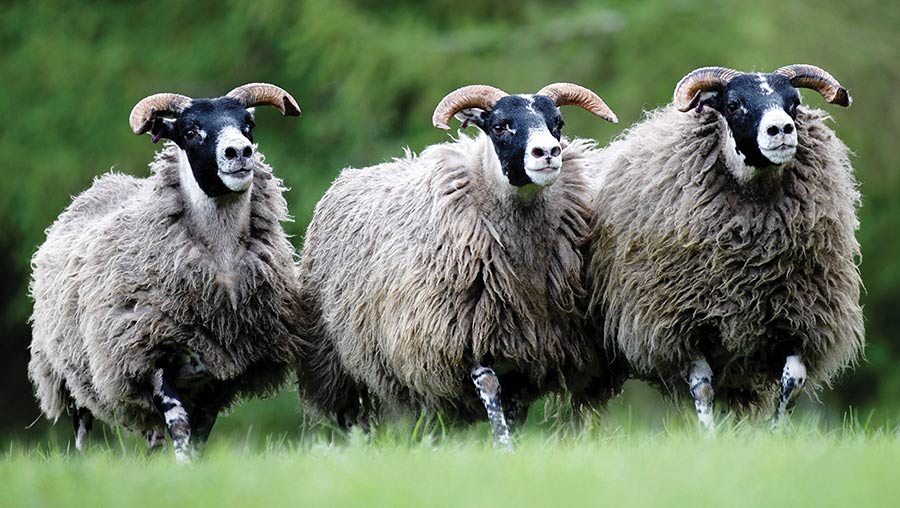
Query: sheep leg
[(488, 386), (793, 377), (177, 419), (516, 412), (201, 425), (702, 391), (83, 421), (155, 439)]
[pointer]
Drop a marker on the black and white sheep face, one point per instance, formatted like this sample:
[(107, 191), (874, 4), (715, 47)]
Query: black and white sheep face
[(525, 131), (760, 110), (216, 136)]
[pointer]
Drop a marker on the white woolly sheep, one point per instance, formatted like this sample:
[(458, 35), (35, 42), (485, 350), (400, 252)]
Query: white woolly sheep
[(463, 265), (723, 241), (159, 301)]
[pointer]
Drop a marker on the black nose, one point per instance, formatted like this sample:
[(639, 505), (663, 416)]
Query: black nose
[(775, 130), (232, 152), (539, 153)]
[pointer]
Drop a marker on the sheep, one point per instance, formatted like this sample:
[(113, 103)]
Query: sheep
[(160, 300), (460, 266), (722, 242)]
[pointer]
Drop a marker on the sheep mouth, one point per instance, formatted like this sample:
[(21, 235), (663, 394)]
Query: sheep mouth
[(238, 180), (782, 146), (238, 173), (550, 167), (544, 175), (779, 154)]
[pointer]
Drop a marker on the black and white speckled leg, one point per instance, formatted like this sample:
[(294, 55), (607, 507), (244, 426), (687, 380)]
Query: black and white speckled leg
[(488, 386), (700, 380), (177, 419), (83, 422), (793, 377), (155, 438), (516, 413)]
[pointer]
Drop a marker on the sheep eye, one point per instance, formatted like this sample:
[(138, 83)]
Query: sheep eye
[(501, 128), (190, 134), (734, 106)]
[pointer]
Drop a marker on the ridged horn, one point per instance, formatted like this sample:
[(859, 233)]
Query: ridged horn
[(472, 96), (160, 104), (570, 94), (815, 78), (265, 94), (704, 79)]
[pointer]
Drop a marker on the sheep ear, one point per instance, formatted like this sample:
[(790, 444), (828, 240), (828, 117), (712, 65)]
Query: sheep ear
[(471, 116), (711, 98), (252, 112), (162, 128)]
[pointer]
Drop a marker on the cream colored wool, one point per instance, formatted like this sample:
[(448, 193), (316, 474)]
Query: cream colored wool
[(124, 284), (417, 269), (684, 261)]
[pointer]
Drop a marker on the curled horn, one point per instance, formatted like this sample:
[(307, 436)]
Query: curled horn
[(810, 76), (265, 94), (161, 104), (704, 79), (472, 96), (569, 94)]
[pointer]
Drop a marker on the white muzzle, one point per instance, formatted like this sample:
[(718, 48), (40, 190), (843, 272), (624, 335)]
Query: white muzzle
[(235, 155), (777, 136), (542, 157)]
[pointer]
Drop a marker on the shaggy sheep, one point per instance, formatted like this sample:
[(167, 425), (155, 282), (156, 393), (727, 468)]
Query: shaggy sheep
[(159, 301), (462, 265), (723, 241)]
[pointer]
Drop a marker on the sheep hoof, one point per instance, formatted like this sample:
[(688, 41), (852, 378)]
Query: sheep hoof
[(155, 438), (504, 445)]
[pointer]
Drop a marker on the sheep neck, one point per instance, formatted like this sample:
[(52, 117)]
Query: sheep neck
[(757, 183), (221, 225), (503, 191)]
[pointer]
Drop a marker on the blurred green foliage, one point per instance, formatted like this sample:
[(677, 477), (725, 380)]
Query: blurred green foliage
[(367, 75)]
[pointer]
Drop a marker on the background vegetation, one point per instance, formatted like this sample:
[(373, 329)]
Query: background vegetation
[(368, 74)]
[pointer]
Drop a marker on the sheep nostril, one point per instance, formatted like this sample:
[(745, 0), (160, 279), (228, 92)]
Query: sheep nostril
[(773, 131), (247, 152), (230, 153), (537, 153), (789, 128), (555, 152)]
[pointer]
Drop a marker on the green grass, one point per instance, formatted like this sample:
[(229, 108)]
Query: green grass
[(610, 459)]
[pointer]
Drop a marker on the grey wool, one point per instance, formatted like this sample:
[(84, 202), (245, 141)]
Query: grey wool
[(686, 262), (127, 281), (417, 269)]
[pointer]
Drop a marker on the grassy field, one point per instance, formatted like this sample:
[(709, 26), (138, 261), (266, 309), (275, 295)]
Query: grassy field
[(604, 460)]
